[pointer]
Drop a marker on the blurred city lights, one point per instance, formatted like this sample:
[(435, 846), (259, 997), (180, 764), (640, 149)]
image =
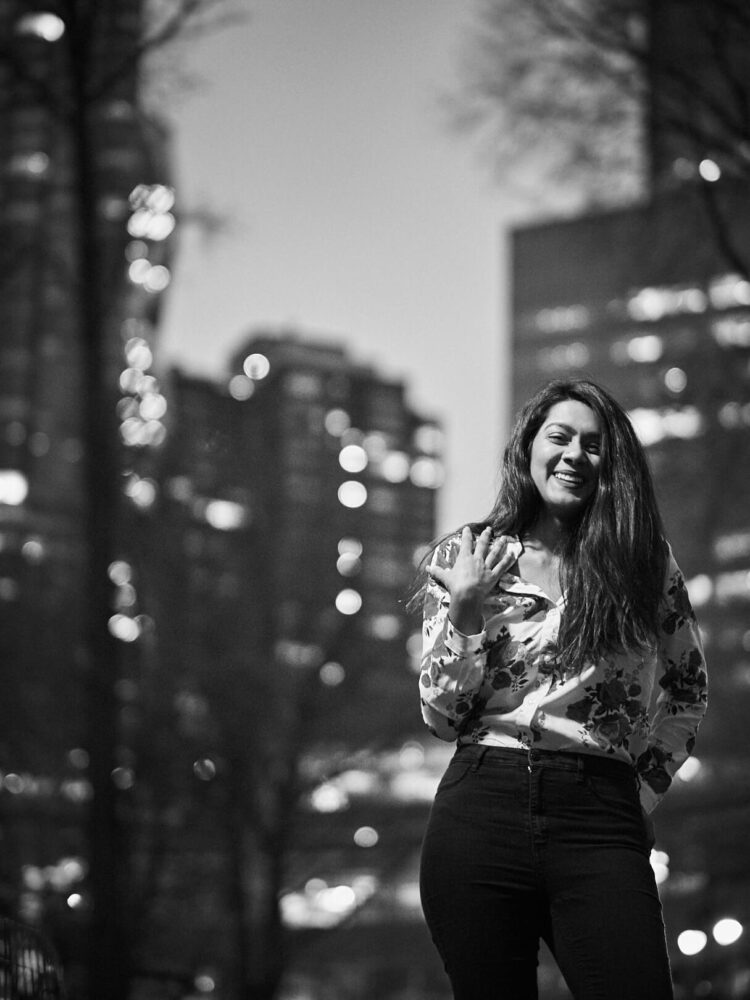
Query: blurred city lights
[(241, 387), (366, 836), (691, 942), (14, 487), (352, 493), (395, 467), (350, 546), (675, 380), (690, 769), (123, 778), (332, 674), (256, 366), (384, 627), (660, 865), (348, 564), (709, 170), (43, 24), (336, 422), (225, 515), (124, 628), (353, 458), (348, 601), (428, 439), (204, 768), (120, 572), (701, 589), (427, 472), (726, 931), (328, 798)]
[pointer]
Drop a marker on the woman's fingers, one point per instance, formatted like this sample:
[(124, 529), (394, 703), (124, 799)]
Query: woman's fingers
[(483, 543), (438, 574)]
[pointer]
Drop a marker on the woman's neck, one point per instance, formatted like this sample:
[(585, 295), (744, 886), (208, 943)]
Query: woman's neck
[(548, 532)]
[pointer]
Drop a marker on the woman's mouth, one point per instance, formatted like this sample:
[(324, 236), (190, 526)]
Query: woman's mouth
[(571, 479)]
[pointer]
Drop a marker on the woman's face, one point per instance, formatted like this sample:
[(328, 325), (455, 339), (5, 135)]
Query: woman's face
[(565, 456)]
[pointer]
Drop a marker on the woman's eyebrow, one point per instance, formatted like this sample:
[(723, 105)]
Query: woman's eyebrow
[(572, 430)]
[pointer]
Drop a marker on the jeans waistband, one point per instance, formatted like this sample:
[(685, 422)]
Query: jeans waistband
[(558, 760)]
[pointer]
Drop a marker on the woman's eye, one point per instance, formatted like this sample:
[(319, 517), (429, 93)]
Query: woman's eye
[(594, 449), (558, 438)]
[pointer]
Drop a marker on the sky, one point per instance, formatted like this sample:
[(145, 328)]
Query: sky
[(354, 212)]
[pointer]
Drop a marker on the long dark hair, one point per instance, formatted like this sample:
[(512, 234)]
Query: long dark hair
[(614, 555)]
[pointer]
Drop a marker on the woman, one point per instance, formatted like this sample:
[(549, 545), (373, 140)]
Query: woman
[(561, 652)]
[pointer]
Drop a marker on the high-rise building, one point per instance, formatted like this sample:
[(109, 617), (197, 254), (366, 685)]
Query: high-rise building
[(290, 507), (645, 301), (80, 164)]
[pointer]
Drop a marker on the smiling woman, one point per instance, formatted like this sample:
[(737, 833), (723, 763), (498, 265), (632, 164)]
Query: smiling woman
[(547, 628)]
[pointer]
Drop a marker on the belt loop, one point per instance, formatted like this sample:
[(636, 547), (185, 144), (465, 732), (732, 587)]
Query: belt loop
[(581, 770), (479, 757)]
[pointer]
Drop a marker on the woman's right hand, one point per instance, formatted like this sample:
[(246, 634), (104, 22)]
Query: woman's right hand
[(472, 576)]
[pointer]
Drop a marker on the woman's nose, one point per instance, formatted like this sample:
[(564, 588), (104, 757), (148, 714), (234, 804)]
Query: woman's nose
[(574, 452)]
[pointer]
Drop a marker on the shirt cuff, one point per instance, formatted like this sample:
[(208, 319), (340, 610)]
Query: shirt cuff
[(461, 644)]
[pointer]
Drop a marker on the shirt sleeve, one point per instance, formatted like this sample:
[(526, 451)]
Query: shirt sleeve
[(681, 702), (452, 666)]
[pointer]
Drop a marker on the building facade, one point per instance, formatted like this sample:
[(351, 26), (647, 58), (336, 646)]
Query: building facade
[(641, 300)]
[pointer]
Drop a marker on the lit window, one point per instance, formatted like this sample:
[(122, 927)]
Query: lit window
[(732, 586), (559, 319), (709, 170), (348, 564), (353, 458), (366, 836), (336, 422), (675, 380), (241, 387), (332, 674), (732, 331), (124, 628), (700, 589), (729, 290), (427, 473), (351, 546), (31, 164), (660, 864), (690, 770), (691, 942), (428, 439), (43, 24), (157, 279), (153, 406), (384, 627), (348, 601), (375, 445), (14, 487), (225, 515), (727, 930), (256, 366), (734, 545), (395, 467), (651, 304), (653, 426), (645, 349), (352, 493)]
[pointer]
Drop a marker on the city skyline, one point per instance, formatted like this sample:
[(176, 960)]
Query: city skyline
[(356, 215)]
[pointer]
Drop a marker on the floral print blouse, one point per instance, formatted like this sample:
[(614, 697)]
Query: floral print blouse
[(499, 687)]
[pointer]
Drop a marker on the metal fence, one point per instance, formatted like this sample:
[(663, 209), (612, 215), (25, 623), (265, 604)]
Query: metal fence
[(29, 969)]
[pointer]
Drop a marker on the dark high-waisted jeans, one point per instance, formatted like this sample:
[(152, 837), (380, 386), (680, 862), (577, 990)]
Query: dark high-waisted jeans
[(522, 846)]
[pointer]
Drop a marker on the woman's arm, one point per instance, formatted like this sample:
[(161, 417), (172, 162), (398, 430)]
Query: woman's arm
[(681, 704), (461, 575)]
